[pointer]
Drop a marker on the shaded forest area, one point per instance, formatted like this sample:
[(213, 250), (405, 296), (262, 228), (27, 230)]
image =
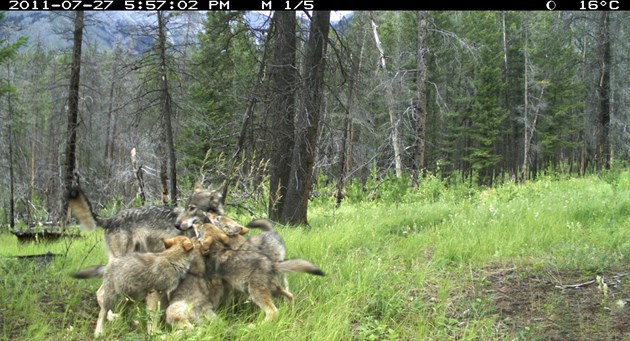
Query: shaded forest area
[(267, 108)]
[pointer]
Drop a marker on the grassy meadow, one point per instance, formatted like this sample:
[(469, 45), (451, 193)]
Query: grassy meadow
[(548, 260)]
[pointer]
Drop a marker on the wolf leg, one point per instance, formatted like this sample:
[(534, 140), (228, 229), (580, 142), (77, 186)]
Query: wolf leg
[(104, 301), (154, 304), (264, 300)]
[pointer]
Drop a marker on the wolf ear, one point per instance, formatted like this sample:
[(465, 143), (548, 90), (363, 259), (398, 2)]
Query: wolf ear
[(224, 238), (187, 244), (205, 244), (212, 217), (198, 186), (244, 230), (168, 242)]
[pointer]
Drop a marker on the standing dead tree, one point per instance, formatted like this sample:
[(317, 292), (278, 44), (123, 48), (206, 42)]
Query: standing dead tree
[(71, 177)]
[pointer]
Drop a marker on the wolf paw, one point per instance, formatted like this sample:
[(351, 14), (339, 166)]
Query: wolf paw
[(111, 316)]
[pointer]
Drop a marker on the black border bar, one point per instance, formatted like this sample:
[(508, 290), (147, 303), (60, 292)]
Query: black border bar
[(308, 5)]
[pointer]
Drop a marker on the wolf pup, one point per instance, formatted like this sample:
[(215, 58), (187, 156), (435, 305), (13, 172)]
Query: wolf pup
[(144, 276), (252, 272), (268, 242), (195, 297), (136, 229)]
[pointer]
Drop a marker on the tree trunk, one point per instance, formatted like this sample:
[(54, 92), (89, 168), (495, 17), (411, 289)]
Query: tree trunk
[(525, 167), (167, 109), (70, 178), (282, 87), (345, 159), (391, 103), (73, 100), (603, 92), (420, 119), (109, 125), (394, 120), (511, 154), (11, 126), (139, 172), (303, 159)]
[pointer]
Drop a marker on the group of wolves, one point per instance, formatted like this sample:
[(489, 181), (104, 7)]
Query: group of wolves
[(186, 259)]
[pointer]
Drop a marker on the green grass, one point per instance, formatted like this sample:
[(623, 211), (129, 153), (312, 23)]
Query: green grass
[(465, 264)]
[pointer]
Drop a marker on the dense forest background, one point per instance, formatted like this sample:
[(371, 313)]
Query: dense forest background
[(275, 109)]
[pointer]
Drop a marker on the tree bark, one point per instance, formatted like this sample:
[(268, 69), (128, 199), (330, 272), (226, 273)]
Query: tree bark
[(70, 178), (511, 155), (525, 168), (10, 127), (303, 159), (420, 111), (110, 125), (391, 103), (73, 100), (167, 109), (282, 87), (603, 93)]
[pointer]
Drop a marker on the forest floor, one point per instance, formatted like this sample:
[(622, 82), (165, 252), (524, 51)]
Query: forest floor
[(561, 305)]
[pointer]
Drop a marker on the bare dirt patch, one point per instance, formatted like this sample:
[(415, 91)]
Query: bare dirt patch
[(553, 304)]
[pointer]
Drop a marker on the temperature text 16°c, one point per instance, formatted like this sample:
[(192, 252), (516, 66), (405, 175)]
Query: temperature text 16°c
[(599, 4)]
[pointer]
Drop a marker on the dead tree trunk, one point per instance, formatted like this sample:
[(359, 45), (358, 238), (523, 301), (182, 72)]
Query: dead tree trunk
[(603, 93), (10, 128), (421, 105), (391, 103), (110, 125), (73, 100), (70, 178), (137, 169), (526, 143), (167, 109)]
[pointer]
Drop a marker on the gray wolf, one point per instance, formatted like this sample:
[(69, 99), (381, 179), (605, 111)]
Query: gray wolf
[(192, 214), (268, 242), (251, 272), (146, 276), (196, 296), (138, 229)]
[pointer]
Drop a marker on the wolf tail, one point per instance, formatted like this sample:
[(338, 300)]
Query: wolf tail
[(81, 208), (91, 272), (262, 224), (299, 265)]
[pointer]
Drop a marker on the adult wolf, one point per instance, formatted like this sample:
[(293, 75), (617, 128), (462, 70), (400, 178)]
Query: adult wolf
[(139, 229)]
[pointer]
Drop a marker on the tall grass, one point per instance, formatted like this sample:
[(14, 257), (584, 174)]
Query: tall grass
[(400, 265)]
